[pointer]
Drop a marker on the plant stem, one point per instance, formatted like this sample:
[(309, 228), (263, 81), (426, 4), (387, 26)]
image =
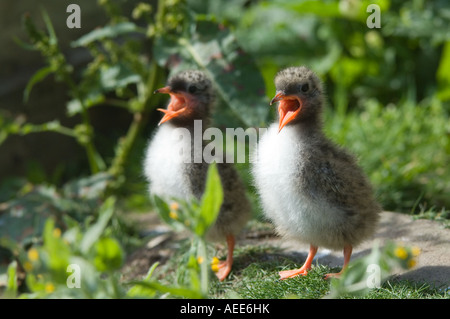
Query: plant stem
[(96, 163), (203, 266), (140, 117), (139, 120)]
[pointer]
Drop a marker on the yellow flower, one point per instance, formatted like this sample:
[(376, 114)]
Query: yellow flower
[(49, 287), (57, 232), (415, 251), (215, 260), (199, 259), (174, 206), (411, 263), (215, 267), (215, 264), (27, 266), (401, 253), (33, 254), (173, 215)]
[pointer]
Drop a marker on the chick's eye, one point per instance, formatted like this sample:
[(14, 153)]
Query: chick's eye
[(192, 89), (305, 87)]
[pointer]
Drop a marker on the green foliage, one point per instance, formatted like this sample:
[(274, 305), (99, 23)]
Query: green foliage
[(64, 266), (404, 149), (371, 271), (196, 217)]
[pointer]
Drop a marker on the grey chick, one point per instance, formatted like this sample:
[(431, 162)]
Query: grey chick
[(174, 165), (311, 189)]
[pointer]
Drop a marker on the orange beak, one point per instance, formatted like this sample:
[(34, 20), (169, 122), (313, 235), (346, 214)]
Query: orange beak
[(177, 105), (288, 109)]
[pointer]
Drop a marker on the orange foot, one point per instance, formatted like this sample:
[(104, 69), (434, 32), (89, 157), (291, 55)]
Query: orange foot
[(304, 269), (285, 274), (224, 270)]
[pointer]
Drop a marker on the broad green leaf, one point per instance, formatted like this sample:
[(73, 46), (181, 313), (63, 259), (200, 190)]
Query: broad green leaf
[(443, 74), (106, 32), (166, 214), (95, 231), (117, 76), (91, 187), (175, 291)]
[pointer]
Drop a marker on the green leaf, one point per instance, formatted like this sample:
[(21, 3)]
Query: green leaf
[(117, 76), (107, 32), (443, 74), (211, 201), (138, 291), (11, 285), (37, 77), (109, 255), (51, 31), (175, 291), (95, 231)]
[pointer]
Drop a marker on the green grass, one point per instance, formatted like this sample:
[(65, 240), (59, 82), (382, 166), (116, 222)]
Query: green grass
[(255, 276)]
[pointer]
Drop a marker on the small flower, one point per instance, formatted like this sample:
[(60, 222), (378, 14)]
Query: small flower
[(174, 206), (200, 259), (215, 268), (415, 251), (215, 264), (411, 263), (173, 215), (56, 232), (27, 266), (33, 254), (49, 287), (401, 253)]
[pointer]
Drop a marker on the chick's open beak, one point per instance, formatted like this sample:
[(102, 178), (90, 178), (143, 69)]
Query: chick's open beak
[(177, 105), (288, 109)]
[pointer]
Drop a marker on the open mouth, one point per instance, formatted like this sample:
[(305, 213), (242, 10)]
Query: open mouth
[(176, 107), (288, 110)]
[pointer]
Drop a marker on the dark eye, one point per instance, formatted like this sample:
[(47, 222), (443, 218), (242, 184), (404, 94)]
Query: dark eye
[(192, 89), (305, 87)]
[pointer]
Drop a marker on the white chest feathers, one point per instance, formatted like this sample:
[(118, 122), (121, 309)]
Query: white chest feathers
[(165, 163), (276, 170)]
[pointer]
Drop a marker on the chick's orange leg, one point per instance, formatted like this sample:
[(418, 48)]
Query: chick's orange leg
[(304, 269), (225, 266), (347, 255)]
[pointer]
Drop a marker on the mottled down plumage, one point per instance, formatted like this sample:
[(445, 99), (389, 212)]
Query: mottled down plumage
[(171, 163), (310, 188)]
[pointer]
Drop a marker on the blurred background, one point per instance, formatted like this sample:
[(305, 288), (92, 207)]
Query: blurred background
[(76, 105)]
